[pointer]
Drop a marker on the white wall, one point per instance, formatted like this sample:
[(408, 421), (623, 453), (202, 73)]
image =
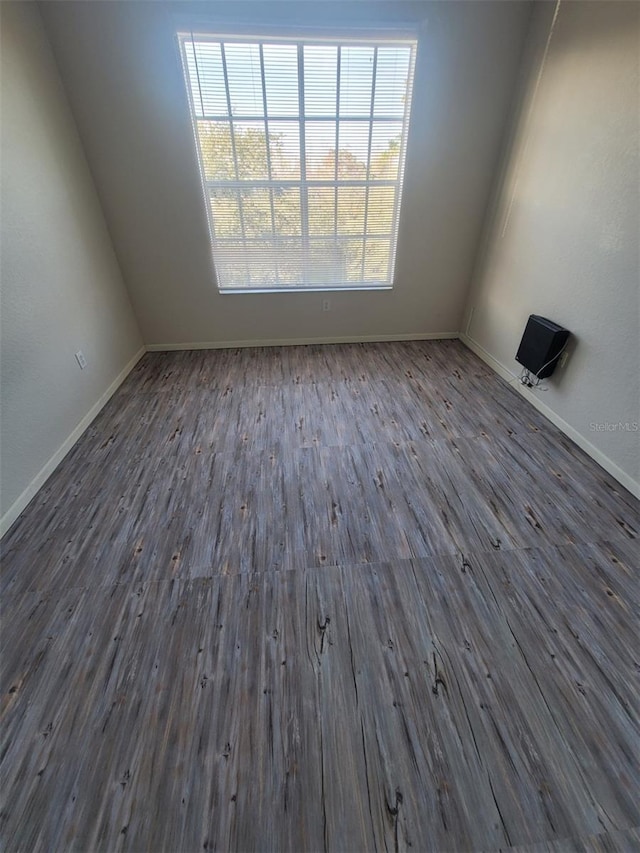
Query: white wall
[(563, 240), (62, 289), (121, 70)]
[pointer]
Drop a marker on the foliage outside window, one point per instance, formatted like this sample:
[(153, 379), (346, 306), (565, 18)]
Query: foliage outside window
[(301, 150)]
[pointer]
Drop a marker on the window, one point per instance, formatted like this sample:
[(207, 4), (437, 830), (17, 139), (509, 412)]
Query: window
[(301, 148)]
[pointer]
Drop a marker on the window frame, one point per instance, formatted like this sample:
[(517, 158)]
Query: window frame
[(374, 38)]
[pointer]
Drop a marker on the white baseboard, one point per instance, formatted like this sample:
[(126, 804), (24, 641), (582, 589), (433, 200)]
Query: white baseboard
[(294, 342), (45, 472), (597, 455)]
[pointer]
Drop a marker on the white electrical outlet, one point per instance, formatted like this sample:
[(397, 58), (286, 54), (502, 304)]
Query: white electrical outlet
[(326, 305), (82, 361)]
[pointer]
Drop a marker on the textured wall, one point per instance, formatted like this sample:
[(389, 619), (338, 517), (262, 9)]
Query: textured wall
[(563, 241), (121, 69), (61, 285)]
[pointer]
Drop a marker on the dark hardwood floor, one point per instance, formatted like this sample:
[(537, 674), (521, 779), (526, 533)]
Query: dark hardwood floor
[(341, 598)]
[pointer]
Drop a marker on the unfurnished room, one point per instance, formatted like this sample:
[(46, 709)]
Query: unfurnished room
[(320, 426)]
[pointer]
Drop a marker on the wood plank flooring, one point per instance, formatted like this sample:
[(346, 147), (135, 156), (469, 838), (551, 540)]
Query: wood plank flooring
[(338, 598)]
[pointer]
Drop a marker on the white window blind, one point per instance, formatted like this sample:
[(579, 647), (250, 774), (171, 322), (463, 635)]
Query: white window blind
[(301, 147)]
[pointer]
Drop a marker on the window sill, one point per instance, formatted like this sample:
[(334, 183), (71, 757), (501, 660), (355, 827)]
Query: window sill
[(316, 289)]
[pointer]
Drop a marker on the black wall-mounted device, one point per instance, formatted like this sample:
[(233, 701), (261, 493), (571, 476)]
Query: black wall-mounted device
[(542, 344)]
